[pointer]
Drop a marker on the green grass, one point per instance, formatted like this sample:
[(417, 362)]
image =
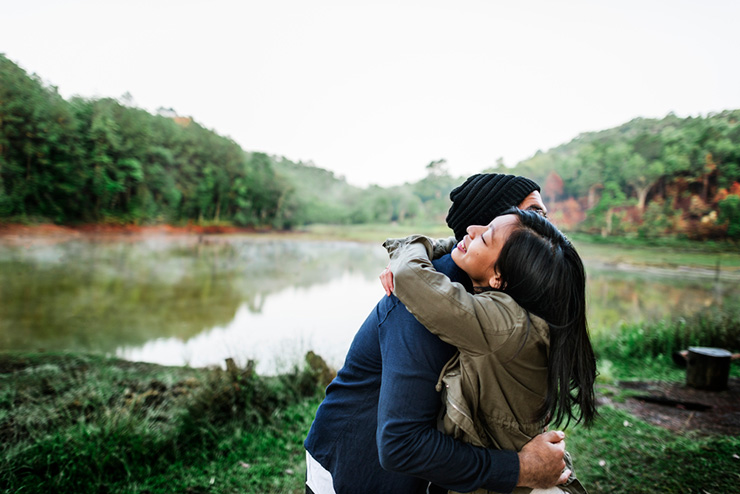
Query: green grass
[(673, 243), (85, 423), (622, 454), (663, 257), (255, 460), (722, 258), (82, 423), (644, 350)]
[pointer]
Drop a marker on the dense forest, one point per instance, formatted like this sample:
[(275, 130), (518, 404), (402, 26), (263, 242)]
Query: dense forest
[(98, 160), (105, 161), (647, 177)]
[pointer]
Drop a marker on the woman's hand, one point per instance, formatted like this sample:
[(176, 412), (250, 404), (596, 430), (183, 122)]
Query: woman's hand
[(386, 279)]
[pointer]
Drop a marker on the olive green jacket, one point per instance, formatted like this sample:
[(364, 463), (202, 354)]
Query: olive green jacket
[(494, 386)]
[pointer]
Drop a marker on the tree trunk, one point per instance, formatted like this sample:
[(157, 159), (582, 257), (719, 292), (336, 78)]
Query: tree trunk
[(642, 197), (708, 368), (591, 196), (607, 229)]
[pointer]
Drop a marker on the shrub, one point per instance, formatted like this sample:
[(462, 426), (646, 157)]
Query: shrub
[(85, 424), (729, 212), (712, 328)]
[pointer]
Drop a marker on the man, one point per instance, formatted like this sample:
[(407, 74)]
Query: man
[(376, 429)]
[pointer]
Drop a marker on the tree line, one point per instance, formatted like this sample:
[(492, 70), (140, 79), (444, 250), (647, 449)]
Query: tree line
[(648, 176), (102, 160), (94, 160)]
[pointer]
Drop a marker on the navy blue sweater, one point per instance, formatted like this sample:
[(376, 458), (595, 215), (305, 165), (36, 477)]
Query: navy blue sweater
[(375, 431)]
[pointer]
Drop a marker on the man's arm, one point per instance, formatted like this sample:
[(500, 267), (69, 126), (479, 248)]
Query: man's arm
[(407, 438)]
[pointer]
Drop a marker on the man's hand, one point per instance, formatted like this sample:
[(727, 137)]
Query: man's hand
[(541, 463)]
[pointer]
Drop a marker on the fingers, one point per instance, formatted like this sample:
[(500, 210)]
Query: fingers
[(386, 279), (554, 436), (564, 477), (541, 462)]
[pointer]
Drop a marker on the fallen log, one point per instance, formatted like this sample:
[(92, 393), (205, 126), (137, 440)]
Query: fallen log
[(662, 400)]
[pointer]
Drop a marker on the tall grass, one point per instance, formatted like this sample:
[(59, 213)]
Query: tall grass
[(90, 424), (83, 423), (646, 349)]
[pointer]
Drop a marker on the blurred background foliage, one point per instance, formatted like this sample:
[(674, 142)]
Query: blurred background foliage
[(104, 161)]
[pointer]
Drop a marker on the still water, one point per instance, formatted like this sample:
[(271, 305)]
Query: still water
[(184, 300)]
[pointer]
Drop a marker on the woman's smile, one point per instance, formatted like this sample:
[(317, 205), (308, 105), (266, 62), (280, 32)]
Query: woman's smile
[(478, 251)]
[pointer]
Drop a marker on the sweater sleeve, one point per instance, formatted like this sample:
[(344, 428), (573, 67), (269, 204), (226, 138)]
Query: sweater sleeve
[(443, 246), (476, 324), (407, 438)]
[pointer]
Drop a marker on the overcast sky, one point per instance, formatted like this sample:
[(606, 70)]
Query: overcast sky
[(376, 90)]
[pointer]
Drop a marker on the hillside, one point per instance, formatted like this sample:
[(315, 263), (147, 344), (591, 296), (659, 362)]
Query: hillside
[(649, 177), (101, 161)]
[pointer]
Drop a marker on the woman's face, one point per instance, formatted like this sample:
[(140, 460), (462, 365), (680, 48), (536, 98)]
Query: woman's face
[(478, 251)]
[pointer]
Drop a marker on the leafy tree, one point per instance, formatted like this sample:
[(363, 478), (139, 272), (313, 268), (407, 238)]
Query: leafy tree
[(642, 175), (433, 190), (438, 168), (103, 160), (38, 149), (602, 216), (729, 213)]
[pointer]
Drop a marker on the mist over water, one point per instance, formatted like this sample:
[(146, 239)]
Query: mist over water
[(197, 301)]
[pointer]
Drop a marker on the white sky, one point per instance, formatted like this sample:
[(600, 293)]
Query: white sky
[(376, 90)]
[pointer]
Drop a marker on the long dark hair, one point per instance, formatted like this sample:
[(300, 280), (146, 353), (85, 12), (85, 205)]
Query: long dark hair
[(541, 270)]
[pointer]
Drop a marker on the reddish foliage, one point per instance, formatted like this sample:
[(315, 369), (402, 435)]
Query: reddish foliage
[(553, 186), (12, 232), (567, 214), (734, 189)]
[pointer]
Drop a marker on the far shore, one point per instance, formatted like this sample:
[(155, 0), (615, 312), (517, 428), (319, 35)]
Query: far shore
[(50, 229), (24, 234), (669, 256), (49, 233)]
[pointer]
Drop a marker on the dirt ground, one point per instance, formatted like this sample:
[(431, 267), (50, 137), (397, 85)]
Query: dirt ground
[(14, 234), (680, 408), (47, 229)]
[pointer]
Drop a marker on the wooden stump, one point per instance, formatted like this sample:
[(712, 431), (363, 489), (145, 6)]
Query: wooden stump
[(708, 368)]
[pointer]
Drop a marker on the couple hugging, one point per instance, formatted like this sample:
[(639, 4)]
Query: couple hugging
[(481, 341)]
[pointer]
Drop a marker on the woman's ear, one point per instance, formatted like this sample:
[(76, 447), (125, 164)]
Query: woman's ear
[(495, 281)]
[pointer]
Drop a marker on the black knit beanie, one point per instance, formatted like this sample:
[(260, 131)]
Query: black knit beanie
[(483, 197)]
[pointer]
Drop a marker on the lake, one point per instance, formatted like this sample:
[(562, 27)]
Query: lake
[(189, 300)]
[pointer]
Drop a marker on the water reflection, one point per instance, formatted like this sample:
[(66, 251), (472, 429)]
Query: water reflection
[(184, 300), (323, 318), (617, 296), (106, 296)]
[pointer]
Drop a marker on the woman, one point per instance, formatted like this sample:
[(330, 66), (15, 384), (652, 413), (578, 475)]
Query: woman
[(525, 357)]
